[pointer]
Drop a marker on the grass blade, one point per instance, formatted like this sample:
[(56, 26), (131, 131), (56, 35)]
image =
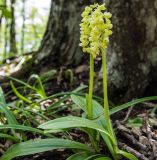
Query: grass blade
[(39, 86), (127, 155), (132, 103), (2, 98), (18, 94), (9, 115), (14, 139), (23, 128), (21, 82), (58, 103)]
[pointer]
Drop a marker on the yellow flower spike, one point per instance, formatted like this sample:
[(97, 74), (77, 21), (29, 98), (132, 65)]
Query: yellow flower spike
[(95, 29)]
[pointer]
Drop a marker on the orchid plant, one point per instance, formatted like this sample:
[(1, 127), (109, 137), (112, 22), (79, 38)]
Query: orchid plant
[(95, 31)]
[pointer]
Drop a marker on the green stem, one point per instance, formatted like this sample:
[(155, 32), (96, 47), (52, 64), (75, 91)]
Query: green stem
[(90, 94), (106, 106), (89, 104)]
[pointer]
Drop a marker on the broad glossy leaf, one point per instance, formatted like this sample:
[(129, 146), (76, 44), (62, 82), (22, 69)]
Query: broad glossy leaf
[(72, 122), (41, 145), (97, 108), (75, 122)]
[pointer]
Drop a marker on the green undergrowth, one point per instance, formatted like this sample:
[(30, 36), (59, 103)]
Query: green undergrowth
[(27, 118)]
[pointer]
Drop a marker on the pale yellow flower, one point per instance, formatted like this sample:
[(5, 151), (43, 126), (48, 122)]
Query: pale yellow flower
[(95, 29)]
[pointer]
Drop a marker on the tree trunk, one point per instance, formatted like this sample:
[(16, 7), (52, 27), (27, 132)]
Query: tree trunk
[(132, 54), (60, 44), (13, 48), (23, 26)]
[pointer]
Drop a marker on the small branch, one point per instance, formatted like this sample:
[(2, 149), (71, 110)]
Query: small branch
[(128, 114), (133, 151)]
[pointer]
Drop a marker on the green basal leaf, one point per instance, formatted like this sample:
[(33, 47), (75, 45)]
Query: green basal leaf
[(76, 122), (72, 122), (41, 145), (97, 108), (81, 101)]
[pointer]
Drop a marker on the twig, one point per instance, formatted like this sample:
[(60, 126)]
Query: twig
[(149, 136), (133, 151), (135, 142), (128, 114)]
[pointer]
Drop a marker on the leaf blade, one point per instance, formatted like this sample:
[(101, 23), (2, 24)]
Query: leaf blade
[(42, 145)]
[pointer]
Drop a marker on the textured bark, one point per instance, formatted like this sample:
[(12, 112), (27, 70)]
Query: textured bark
[(60, 44), (132, 54)]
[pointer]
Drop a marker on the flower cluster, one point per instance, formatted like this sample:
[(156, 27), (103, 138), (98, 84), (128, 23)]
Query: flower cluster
[(95, 29)]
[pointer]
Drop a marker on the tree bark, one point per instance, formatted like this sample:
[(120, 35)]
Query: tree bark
[(60, 44), (132, 54)]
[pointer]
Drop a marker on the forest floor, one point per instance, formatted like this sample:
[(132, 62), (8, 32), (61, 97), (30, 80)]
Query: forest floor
[(136, 127)]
